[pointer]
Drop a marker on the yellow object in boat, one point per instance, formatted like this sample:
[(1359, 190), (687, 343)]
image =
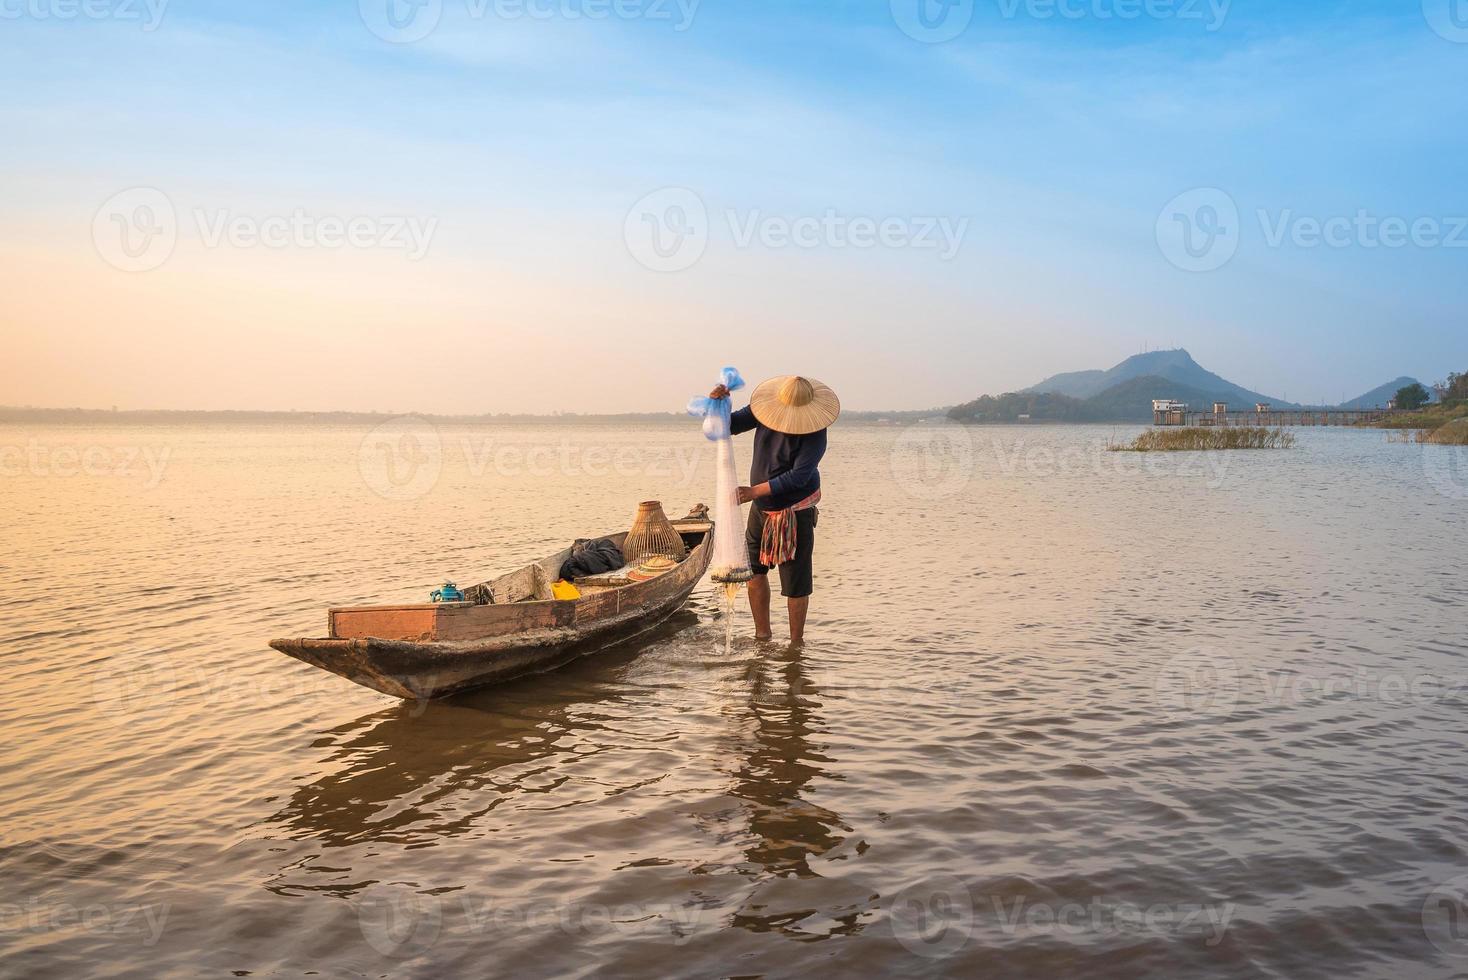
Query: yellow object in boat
[(562, 589)]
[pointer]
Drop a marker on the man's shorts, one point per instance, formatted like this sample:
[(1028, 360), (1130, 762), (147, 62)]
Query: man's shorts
[(796, 575)]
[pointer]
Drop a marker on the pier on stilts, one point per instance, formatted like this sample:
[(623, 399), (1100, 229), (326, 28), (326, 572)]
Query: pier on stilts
[(1165, 412)]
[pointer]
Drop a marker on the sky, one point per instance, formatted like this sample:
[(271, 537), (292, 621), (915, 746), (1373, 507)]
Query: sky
[(592, 205)]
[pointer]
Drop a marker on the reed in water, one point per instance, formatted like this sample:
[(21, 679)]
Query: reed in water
[(1195, 438)]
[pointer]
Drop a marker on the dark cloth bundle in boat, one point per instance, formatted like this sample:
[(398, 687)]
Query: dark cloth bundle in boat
[(592, 557)]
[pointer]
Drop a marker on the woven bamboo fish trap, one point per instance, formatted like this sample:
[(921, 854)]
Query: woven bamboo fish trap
[(652, 534)]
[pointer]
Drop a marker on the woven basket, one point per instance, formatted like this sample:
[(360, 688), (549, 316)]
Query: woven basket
[(652, 534)]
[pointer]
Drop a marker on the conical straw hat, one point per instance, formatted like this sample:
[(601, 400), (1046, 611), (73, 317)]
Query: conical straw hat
[(794, 405)]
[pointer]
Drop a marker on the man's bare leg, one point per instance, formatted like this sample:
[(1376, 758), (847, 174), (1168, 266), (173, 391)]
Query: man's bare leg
[(759, 605), (797, 608)]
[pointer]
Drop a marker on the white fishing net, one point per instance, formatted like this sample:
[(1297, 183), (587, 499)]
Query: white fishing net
[(731, 559)]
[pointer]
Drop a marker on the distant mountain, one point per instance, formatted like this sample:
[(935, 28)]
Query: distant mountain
[(1378, 397), (1176, 366), (1073, 384), (1125, 393)]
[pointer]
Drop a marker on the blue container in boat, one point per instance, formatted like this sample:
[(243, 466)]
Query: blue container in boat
[(449, 593)]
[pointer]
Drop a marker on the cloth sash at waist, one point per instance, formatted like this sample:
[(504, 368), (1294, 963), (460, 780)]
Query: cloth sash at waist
[(777, 543)]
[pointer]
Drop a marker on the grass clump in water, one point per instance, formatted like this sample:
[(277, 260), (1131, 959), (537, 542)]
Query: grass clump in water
[(1193, 438), (1454, 433)]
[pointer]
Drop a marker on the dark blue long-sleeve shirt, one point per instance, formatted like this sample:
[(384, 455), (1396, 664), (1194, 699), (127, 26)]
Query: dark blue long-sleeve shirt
[(788, 463)]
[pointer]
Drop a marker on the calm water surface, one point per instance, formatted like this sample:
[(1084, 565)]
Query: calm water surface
[(1060, 713)]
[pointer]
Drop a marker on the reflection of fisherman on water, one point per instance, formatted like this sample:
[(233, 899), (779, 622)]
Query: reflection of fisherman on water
[(781, 764), (790, 830)]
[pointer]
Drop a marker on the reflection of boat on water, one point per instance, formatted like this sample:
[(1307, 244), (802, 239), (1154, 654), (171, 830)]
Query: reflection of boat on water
[(430, 650), (395, 768)]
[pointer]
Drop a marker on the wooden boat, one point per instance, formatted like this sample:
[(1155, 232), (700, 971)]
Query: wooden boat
[(434, 649)]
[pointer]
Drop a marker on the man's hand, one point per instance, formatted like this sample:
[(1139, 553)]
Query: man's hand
[(720, 392), (746, 494)]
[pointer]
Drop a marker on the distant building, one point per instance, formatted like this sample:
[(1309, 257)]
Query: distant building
[(1167, 411), (1220, 408), (1263, 407)]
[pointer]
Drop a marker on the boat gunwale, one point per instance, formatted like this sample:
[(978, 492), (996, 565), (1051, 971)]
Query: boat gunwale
[(686, 576), (704, 527)]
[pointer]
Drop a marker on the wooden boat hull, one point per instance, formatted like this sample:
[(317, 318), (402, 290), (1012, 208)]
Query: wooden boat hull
[(522, 638)]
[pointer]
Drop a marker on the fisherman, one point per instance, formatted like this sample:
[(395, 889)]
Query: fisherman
[(789, 416)]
